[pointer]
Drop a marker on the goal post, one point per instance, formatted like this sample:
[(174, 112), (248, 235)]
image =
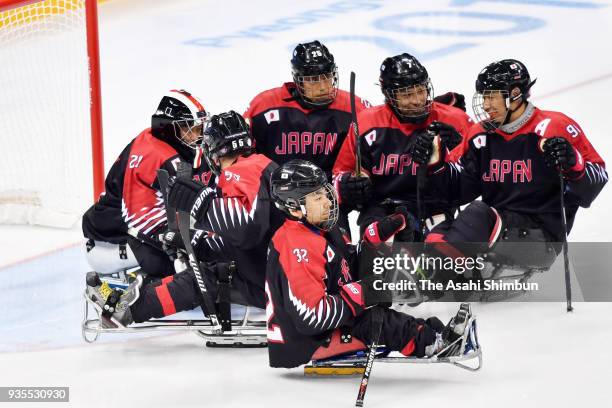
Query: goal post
[(52, 160)]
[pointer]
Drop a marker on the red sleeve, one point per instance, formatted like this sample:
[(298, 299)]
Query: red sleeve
[(589, 176), (563, 126), (143, 205), (345, 162)]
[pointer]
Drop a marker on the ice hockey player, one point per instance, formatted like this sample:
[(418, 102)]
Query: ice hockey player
[(234, 222), (308, 118), (305, 119), (122, 226), (395, 140), (313, 301), (512, 158)]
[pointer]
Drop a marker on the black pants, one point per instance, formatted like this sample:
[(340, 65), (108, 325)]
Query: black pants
[(180, 292), (513, 238), (400, 331), (153, 262)]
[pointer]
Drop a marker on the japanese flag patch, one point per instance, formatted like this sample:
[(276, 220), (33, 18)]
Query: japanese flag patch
[(272, 116)]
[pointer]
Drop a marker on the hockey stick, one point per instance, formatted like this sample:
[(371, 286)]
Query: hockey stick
[(377, 322), (355, 127), (163, 178), (568, 284), (184, 223), (421, 175)]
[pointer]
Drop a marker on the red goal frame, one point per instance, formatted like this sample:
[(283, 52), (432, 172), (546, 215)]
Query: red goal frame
[(95, 94)]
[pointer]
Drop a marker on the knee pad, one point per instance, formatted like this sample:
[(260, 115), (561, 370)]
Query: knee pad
[(477, 223), (105, 258)]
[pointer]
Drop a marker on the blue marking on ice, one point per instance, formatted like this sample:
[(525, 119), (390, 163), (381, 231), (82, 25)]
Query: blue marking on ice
[(512, 24), (547, 3)]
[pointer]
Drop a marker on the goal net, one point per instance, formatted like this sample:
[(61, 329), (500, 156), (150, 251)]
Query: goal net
[(45, 122)]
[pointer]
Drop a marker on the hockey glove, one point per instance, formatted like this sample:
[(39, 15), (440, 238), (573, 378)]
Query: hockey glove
[(426, 148), (191, 196), (365, 293), (449, 137), (452, 99), (171, 243), (560, 154), (380, 231), (353, 191)]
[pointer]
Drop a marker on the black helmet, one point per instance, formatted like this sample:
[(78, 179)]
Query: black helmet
[(404, 73), (502, 77), (293, 181), (313, 62), (177, 117), (224, 134)]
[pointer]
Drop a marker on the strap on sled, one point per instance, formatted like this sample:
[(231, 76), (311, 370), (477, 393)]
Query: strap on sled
[(224, 281)]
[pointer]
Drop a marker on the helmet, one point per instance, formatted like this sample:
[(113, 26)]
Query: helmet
[(404, 74), (293, 181), (179, 116), (312, 62), (508, 77), (224, 134)]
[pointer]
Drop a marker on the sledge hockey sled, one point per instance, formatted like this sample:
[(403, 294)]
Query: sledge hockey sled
[(354, 363), (239, 333)]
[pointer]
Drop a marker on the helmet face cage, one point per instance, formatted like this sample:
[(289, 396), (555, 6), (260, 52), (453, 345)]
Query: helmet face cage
[(482, 116), (395, 95), (329, 80), (328, 218), (508, 78), (297, 186), (190, 131)]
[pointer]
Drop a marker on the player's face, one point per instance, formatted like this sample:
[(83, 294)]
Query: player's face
[(494, 103), (190, 135), (411, 101), (318, 207), (318, 88)]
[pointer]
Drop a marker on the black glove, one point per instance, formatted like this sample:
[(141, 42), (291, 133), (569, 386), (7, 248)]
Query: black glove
[(422, 147), (365, 293), (191, 196), (559, 153), (171, 242), (382, 230), (374, 293), (452, 99), (449, 136), (353, 190)]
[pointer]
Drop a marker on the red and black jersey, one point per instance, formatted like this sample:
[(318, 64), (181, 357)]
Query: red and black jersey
[(132, 198), (284, 130), (510, 173), (306, 269), (385, 143), (239, 222)]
